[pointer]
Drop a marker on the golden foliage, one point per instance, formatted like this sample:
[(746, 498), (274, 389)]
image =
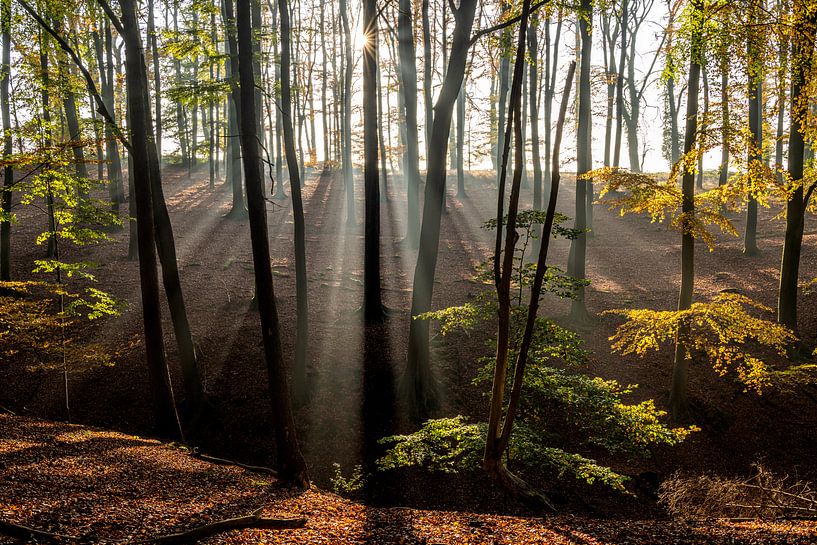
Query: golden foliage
[(34, 331), (633, 192), (723, 331)]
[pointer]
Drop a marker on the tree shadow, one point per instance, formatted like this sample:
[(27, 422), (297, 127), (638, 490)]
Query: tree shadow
[(378, 420)]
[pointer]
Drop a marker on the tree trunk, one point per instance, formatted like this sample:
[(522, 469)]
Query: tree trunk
[(723, 177), (418, 380), (302, 334), (157, 78), (372, 301), (620, 87), (754, 161), (427, 100), (408, 79), (348, 177), (678, 404), (8, 173), (238, 210), (801, 63), (584, 162), (167, 422), (290, 461), (533, 89)]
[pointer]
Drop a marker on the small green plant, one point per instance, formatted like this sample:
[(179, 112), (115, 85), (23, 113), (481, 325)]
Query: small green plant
[(351, 485)]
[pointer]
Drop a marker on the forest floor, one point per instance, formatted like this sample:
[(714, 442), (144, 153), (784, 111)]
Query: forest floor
[(108, 487), (631, 262)]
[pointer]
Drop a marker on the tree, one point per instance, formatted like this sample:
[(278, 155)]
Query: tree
[(290, 460), (372, 300), (8, 173), (299, 376), (346, 115), (754, 162), (408, 82), (141, 137), (798, 189), (418, 380), (678, 403), (584, 163), (498, 435)]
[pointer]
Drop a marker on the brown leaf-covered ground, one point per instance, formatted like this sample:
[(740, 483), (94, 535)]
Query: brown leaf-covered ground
[(108, 487)]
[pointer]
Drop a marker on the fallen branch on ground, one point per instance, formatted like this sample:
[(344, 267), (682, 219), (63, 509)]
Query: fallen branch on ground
[(26, 533), (226, 462), (253, 520)]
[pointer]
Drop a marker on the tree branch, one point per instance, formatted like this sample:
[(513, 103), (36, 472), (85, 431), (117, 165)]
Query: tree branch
[(480, 33)]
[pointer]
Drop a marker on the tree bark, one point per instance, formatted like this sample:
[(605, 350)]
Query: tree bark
[(678, 403), (167, 422), (408, 79), (299, 226), (418, 381), (291, 462), (802, 61)]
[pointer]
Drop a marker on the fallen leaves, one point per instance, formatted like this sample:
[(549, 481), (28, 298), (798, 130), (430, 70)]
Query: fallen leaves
[(113, 488)]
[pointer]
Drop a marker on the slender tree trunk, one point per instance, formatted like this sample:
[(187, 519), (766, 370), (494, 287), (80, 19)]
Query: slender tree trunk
[(372, 300), (427, 100), (678, 403), (620, 86), (584, 162), (702, 126), (408, 78), (348, 178), (181, 119), (238, 210), (418, 380), (70, 107), (783, 61), (725, 131), (533, 89), (754, 161), (302, 338), (801, 62), (461, 143), (167, 422), (291, 462), (549, 96), (8, 173), (157, 78)]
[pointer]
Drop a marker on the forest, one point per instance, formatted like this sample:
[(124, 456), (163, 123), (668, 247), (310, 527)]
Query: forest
[(410, 272)]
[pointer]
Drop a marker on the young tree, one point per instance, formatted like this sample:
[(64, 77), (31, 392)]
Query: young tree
[(299, 374), (290, 460), (678, 403)]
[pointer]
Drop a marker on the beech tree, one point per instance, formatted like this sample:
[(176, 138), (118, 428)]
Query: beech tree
[(290, 460)]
